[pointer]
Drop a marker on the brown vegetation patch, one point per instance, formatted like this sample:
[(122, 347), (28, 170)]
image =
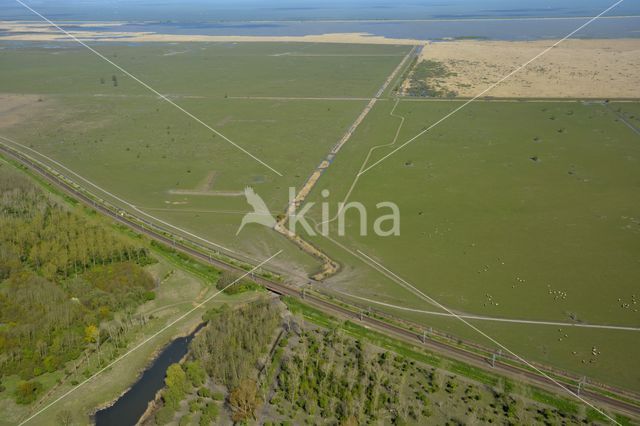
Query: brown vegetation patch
[(573, 69)]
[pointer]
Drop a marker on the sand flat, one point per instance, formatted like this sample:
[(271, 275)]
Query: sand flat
[(39, 31), (603, 68)]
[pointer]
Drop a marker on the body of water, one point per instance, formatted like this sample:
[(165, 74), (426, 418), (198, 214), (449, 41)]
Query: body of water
[(249, 10), (496, 29), (128, 409)]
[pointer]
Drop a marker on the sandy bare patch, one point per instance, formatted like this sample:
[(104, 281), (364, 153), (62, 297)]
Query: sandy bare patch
[(608, 68), (208, 181), (205, 188), (173, 53), (31, 31), (17, 108), (224, 121)]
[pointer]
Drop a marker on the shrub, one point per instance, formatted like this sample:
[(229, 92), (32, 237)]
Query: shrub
[(27, 391)]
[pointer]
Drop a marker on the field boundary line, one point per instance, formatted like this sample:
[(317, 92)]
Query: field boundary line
[(148, 87), (139, 345), (492, 86), (485, 335), (495, 319), (329, 158), (329, 266), (297, 98), (622, 118), (364, 163)]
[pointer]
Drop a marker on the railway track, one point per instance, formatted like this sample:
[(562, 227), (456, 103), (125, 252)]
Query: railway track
[(317, 302)]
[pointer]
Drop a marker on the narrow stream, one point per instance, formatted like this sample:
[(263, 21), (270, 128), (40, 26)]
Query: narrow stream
[(128, 409)]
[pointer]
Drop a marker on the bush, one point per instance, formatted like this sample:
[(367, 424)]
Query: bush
[(209, 414), (27, 391), (195, 372), (226, 283), (204, 392), (194, 406)]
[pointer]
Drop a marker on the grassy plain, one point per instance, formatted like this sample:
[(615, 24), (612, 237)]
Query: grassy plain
[(516, 210), (508, 209), (129, 142)]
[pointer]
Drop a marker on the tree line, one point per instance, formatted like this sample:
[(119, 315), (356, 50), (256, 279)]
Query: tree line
[(225, 352), (63, 278)]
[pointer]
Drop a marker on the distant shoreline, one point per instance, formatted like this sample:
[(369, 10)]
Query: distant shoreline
[(32, 31), (366, 31)]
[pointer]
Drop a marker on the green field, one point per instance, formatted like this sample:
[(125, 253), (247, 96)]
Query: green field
[(140, 148), (517, 210), (512, 210)]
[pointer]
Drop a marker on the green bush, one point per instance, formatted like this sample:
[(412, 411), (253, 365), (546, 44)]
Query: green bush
[(27, 391), (195, 372), (185, 420), (204, 392)]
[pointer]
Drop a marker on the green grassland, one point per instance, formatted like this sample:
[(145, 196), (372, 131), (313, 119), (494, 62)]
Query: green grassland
[(201, 69), (513, 210), (140, 148)]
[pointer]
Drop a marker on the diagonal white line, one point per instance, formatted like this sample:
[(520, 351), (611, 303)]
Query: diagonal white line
[(494, 341), (495, 319), (181, 317), (490, 87), (151, 89)]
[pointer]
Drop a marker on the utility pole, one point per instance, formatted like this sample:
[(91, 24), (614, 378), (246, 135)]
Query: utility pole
[(495, 357)]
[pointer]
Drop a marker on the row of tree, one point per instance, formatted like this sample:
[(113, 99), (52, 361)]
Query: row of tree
[(57, 243), (226, 352), (333, 377), (233, 341), (63, 278)]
